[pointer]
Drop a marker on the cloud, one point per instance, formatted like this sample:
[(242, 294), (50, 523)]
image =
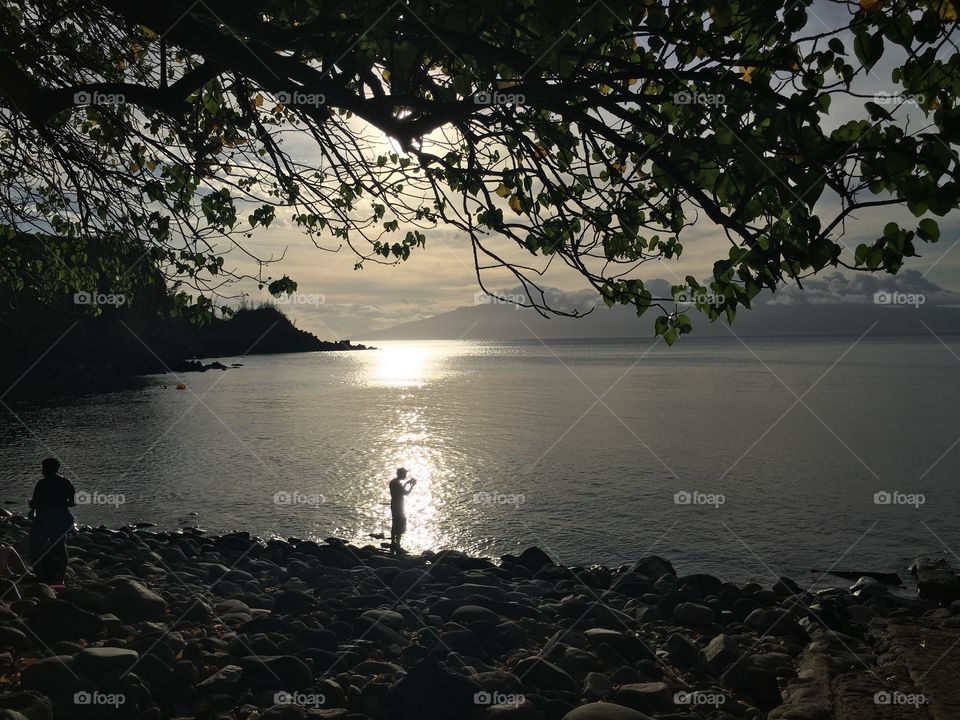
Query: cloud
[(838, 287)]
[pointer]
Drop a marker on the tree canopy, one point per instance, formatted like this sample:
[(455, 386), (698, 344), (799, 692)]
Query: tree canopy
[(138, 135)]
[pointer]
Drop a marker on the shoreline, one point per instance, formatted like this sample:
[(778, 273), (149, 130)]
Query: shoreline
[(157, 624)]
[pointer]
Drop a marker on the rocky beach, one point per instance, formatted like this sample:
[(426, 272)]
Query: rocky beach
[(183, 624)]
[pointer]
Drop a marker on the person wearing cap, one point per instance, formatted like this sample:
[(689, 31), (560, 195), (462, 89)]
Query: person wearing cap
[(400, 487)]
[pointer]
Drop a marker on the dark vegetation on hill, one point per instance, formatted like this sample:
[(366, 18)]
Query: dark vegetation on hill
[(54, 348)]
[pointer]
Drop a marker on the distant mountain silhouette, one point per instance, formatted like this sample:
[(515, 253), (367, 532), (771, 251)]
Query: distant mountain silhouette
[(509, 322)]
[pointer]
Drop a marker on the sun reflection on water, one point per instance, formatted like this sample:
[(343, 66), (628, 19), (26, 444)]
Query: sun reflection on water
[(403, 365), (409, 440)]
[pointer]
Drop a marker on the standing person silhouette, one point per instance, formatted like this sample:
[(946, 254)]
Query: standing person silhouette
[(398, 491), (53, 496)]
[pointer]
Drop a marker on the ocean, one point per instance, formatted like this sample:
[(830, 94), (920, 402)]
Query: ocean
[(749, 459)]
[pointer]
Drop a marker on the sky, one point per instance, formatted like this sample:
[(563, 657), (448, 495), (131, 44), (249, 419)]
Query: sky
[(335, 301)]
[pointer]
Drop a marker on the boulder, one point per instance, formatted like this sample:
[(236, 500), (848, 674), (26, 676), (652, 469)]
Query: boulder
[(604, 711), (223, 682), (682, 651), (533, 559), (51, 676), (936, 580), (775, 621), (722, 651), (758, 684), (26, 704), (62, 620), (693, 615), (131, 601), (295, 602), (429, 692), (106, 663), (474, 614), (654, 567), (645, 697), (544, 675), (276, 672)]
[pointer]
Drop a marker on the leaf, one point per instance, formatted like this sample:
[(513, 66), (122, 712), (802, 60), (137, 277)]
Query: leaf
[(946, 9), (503, 191), (868, 48), (929, 230), (747, 73), (870, 5), (516, 204), (258, 100)]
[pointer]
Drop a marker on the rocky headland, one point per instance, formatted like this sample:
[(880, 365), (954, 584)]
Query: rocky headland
[(187, 625)]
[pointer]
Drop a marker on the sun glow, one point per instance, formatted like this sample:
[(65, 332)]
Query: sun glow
[(403, 366)]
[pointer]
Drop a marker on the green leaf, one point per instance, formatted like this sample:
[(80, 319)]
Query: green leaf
[(868, 48), (929, 230)]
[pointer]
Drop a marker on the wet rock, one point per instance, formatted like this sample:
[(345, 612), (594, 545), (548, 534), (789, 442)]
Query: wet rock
[(131, 601), (51, 676), (11, 637), (604, 711), (544, 675), (760, 685), (429, 692), (106, 663), (596, 686), (627, 645), (276, 672), (722, 651), (533, 559), (377, 667), (26, 704), (775, 621), (936, 579), (475, 614), (654, 567), (223, 682), (295, 602), (682, 651), (61, 620), (693, 615), (645, 697)]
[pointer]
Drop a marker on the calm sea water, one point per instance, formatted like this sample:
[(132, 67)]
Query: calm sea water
[(588, 449)]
